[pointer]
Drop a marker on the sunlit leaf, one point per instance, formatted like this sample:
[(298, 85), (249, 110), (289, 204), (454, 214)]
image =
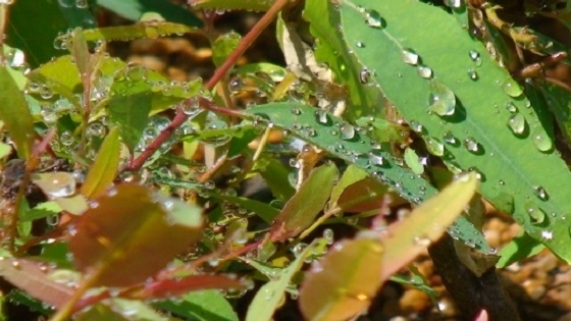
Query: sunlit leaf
[(302, 208), (209, 305), (104, 168), (130, 234), (362, 196), (521, 247), (351, 175), (224, 46), (32, 277), (406, 239), (342, 284), (152, 30), (261, 5), (15, 114)]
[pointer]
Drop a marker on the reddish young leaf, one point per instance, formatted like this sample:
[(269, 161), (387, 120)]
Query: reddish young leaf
[(342, 284), (169, 288), (362, 196), (33, 278), (302, 208), (129, 234)]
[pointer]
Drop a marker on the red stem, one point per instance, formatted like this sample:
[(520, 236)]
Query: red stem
[(180, 117)]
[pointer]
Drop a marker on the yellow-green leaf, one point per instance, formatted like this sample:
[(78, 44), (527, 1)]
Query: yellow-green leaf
[(105, 167)]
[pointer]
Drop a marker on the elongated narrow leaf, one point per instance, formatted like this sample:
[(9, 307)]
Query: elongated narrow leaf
[(485, 122), (104, 169), (15, 114), (272, 293), (33, 278), (134, 9), (407, 239), (130, 234), (300, 211), (342, 284), (262, 5), (169, 288), (324, 130), (150, 30)]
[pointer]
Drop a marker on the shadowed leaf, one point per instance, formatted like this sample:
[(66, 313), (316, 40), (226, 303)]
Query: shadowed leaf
[(362, 196), (134, 9), (169, 288), (130, 234), (206, 305)]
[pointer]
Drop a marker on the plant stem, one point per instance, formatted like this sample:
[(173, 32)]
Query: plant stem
[(181, 117)]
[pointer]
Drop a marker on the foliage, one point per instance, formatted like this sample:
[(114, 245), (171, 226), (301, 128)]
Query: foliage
[(124, 194)]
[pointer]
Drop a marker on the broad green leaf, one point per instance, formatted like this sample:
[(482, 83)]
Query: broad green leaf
[(559, 103), (134, 9), (270, 295), (331, 49), (351, 175), (104, 168), (343, 283), (324, 130), (224, 46), (406, 239), (33, 278), (51, 18), (276, 176), (130, 234), (521, 247), (486, 123), (261, 5), (15, 114), (209, 305), (263, 210), (81, 55), (42, 210), (302, 208), (151, 30)]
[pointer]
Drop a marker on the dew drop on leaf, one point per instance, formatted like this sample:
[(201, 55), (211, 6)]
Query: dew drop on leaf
[(512, 88), (473, 54), (364, 76), (541, 193), (296, 111), (347, 131), (449, 138), (360, 44), (537, 215), (424, 71), (517, 123), (191, 107), (434, 146), (471, 145), (376, 159), (472, 74), (511, 107), (542, 142), (409, 56), (373, 19), (453, 3), (442, 100), (416, 127)]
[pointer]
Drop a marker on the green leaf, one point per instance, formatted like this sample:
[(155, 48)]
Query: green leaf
[(407, 239), (270, 295), (302, 208), (150, 30), (130, 234), (351, 175), (331, 49), (224, 46), (521, 247), (15, 114), (104, 168), (413, 161), (362, 196), (134, 9), (262, 5), (474, 121), (324, 130), (263, 210), (81, 55), (342, 284), (276, 176), (208, 305), (100, 312)]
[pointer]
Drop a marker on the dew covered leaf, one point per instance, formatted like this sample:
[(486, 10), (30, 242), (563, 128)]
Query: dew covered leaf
[(261, 5), (406, 239), (476, 131), (151, 30), (302, 208), (324, 131), (130, 234), (105, 167), (15, 114), (33, 278), (342, 284), (208, 305), (224, 46), (270, 295)]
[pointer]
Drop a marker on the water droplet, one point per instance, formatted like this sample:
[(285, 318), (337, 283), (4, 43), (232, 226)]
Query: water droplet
[(537, 215), (360, 44), (364, 76), (46, 92), (328, 235), (511, 107), (441, 100), (376, 159), (474, 55), (512, 88), (191, 107), (517, 123), (66, 138), (347, 131), (542, 141), (416, 127), (472, 145), (373, 19), (296, 111), (409, 56), (449, 138), (421, 241), (57, 184), (472, 74), (453, 3), (541, 193), (434, 146), (95, 129), (547, 235), (424, 72)]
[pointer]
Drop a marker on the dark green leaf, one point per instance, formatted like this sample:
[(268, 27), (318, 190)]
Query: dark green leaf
[(134, 9)]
